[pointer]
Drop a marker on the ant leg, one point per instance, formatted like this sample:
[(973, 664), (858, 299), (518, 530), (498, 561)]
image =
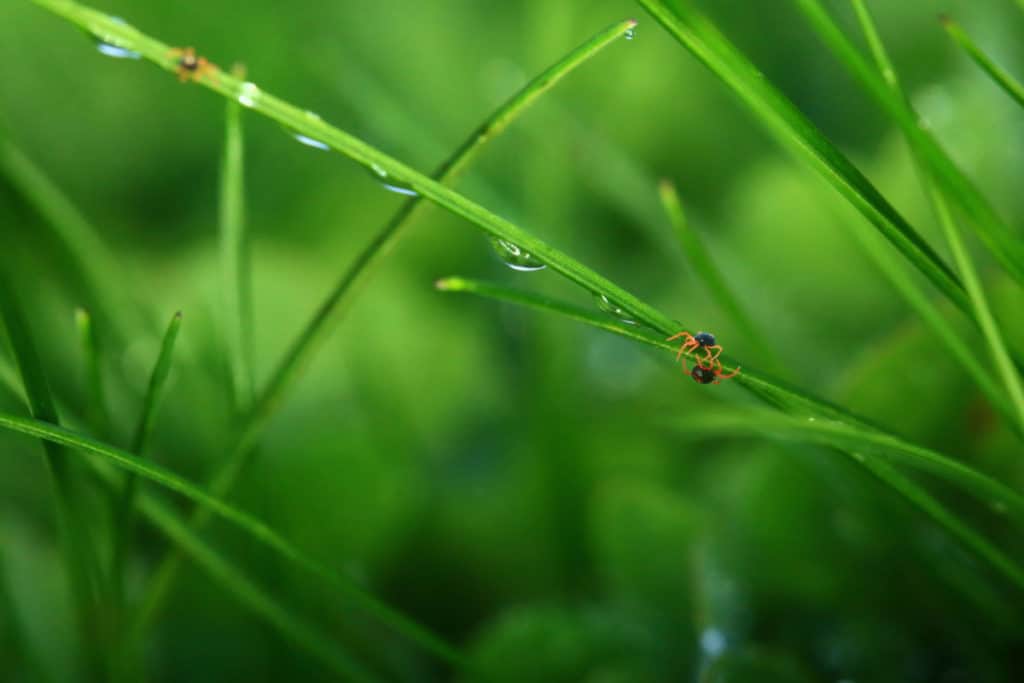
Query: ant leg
[(679, 335), (714, 356), (690, 345), (730, 375)]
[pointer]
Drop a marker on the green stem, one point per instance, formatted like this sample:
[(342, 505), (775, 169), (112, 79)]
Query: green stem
[(1001, 76)]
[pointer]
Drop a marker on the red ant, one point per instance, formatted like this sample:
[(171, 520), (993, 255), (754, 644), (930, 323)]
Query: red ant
[(692, 342), (710, 374), (191, 67)]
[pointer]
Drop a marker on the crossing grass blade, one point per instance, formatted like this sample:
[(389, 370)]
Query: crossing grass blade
[(124, 513), (852, 433), (975, 291), (79, 555), (993, 231), (796, 132), (247, 592), (261, 533), (234, 260), (291, 365), (1010, 85)]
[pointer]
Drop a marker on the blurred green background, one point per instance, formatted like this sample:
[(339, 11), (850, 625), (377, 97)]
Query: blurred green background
[(494, 472)]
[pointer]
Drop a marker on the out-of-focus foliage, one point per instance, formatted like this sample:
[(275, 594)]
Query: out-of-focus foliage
[(494, 473)]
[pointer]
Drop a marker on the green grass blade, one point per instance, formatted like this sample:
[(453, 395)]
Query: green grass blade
[(99, 416), (1010, 85), (249, 594), (809, 410), (140, 445), (79, 554), (93, 263), (297, 120), (700, 260), (972, 282), (252, 527), (994, 232), (761, 423), (234, 255), (290, 367), (797, 133)]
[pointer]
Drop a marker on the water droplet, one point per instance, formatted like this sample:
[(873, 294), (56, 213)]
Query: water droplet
[(630, 34), (712, 641), (384, 179), (613, 309), (515, 257), (112, 46), (248, 94), (999, 507), (305, 139)]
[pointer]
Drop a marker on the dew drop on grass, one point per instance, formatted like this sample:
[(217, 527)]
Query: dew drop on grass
[(515, 257), (381, 176), (613, 309), (630, 34), (112, 46), (305, 139), (248, 94)]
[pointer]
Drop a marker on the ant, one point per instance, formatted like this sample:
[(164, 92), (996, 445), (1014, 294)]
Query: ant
[(710, 374), (692, 342), (191, 67)]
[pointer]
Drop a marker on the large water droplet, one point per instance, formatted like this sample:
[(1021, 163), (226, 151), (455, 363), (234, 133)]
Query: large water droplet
[(391, 184), (112, 46), (613, 309), (630, 34), (515, 257), (305, 139), (248, 94)]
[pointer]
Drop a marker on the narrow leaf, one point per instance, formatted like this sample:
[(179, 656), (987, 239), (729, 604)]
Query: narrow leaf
[(1010, 85)]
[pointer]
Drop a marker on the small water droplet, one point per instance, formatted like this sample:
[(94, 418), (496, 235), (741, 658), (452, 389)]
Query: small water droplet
[(613, 309), (858, 456), (515, 257), (712, 641), (810, 419), (389, 183), (305, 139), (112, 46), (248, 94), (999, 507), (630, 34)]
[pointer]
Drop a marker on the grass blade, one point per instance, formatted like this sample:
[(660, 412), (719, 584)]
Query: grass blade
[(853, 438), (99, 416), (93, 263), (1010, 85), (250, 526), (979, 302), (807, 409), (994, 232), (302, 349), (140, 445), (700, 261), (234, 260), (79, 555), (248, 593), (797, 133)]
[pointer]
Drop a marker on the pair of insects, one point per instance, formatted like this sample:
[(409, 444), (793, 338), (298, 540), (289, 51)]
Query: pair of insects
[(708, 369)]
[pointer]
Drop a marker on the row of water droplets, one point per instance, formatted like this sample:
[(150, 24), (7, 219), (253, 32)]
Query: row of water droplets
[(514, 256)]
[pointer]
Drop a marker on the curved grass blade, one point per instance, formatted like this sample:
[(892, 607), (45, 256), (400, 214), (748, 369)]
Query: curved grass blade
[(994, 232), (797, 133), (302, 349), (93, 263), (972, 282), (700, 261), (234, 260), (804, 409), (1010, 85), (140, 445), (79, 554), (761, 423), (252, 527), (99, 416), (249, 594)]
